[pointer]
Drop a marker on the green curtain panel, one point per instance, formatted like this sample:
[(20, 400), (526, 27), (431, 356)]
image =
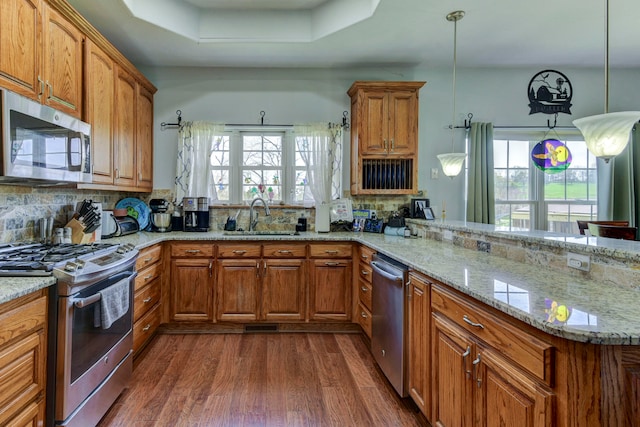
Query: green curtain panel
[(480, 196), (626, 182)]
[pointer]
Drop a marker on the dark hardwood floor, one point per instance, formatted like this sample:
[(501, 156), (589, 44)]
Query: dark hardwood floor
[(280, 379)]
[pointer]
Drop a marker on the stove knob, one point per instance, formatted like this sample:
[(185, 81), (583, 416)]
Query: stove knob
[(70, 266), (121, 250), (80, 264)]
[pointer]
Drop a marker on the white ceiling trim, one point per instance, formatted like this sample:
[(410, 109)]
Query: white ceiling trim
[(205, 25)]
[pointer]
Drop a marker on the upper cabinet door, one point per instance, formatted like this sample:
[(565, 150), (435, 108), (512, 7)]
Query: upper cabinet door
[(144, 138), (62, 64), (373, 128), (403, 123), (99, 103), (125, 112), (20, 55)]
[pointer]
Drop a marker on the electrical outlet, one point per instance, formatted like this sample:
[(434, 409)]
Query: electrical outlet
[(434, 173), (447, 235), (579, 262)]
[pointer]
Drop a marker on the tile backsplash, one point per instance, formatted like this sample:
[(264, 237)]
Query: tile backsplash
[(21, 207)]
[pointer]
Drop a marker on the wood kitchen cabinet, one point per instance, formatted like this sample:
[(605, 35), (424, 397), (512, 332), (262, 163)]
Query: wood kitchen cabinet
[(125, 129), (485, 371), (419, 342), (23, 360), (330, 282), (41, 55), (261, 282), (144, 139), (147, 296), (384, 137), (99, 110), (365, 288), (192, 282)]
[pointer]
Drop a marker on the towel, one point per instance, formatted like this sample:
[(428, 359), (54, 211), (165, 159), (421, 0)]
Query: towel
[(114, 303)]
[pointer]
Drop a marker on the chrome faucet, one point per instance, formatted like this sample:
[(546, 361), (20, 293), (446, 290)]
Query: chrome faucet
[(252, 221)]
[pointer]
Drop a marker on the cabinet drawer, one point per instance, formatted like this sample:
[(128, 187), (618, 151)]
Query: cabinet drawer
[(148, 256), (145, 298), (364, 319), (21, 373), (365, 254), (279, 250), (365, 272), (339, 250), (144, 328), (243, 250), (364, 293), (147, 275), (22, 316), (191, 250), (525, 349)]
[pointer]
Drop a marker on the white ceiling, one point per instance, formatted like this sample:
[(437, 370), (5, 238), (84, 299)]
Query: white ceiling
[(351, 33)]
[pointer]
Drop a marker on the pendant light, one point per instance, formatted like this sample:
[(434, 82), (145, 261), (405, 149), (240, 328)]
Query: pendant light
[(606, 135), (452, 162)]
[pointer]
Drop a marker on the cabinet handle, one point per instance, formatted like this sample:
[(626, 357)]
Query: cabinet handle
[(147, 277), (239, 252), (364, 256), (475, 370), (363, 315), (192, 251), (41, 88), (264, 265), (117, 173), (472, 323), (464, 361), (332, 264), (364, 272), (384, 144), (284, 251), (393, 145), (148, 260), (139, 176), (147, 299), (257, 268), (147, 327), (210, 268), (58, 100), (331, 251), (364, 289)]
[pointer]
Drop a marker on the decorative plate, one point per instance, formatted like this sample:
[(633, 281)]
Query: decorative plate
[(551, 156), (137, 209)]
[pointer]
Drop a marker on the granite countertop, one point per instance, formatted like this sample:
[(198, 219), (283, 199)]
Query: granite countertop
[(598, 314)]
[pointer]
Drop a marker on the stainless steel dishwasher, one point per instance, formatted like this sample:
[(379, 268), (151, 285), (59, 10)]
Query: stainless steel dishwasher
[(388, 319)]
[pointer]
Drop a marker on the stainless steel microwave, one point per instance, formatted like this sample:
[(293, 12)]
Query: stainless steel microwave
[(41, 145)]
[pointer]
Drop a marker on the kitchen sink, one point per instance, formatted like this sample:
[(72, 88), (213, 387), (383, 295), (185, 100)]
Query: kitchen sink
[(261, 233)]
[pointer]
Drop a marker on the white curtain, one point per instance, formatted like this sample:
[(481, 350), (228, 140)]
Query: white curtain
[(193, 172), (320, 145)]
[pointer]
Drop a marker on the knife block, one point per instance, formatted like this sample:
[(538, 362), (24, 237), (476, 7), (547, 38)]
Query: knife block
[(77, 233)]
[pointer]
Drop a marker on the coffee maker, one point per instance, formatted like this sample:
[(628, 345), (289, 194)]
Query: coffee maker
[(196, 213)]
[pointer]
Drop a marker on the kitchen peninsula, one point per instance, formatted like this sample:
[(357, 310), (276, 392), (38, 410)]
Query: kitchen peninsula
[(582, 364)]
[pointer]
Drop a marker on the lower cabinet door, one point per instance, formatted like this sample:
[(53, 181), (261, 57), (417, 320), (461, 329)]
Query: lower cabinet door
[(419, 349), (284, 290), (192, 289), (237, 289), (144, 328), (507, 397), (331, 289)]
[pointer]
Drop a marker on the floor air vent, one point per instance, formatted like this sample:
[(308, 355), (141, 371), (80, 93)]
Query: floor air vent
[(261, 328)]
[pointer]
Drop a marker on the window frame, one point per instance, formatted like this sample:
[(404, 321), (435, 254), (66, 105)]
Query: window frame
[(539, 205)]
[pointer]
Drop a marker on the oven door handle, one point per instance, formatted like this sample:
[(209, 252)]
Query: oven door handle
[(83, 302)]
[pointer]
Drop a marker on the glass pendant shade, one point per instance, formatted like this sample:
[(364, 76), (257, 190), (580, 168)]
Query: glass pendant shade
[(606, 135), (452, 163)]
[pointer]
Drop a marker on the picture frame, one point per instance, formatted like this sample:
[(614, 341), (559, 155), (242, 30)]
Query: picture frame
[(418, 207), (428, 214)]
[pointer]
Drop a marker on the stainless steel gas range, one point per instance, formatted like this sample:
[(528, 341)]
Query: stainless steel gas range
[(90, 321)]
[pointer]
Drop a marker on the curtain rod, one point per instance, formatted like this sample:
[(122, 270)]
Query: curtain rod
[(344, 123), (549, 126)]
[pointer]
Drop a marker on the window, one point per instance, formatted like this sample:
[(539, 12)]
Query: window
[(249, 163), (529, 199)]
